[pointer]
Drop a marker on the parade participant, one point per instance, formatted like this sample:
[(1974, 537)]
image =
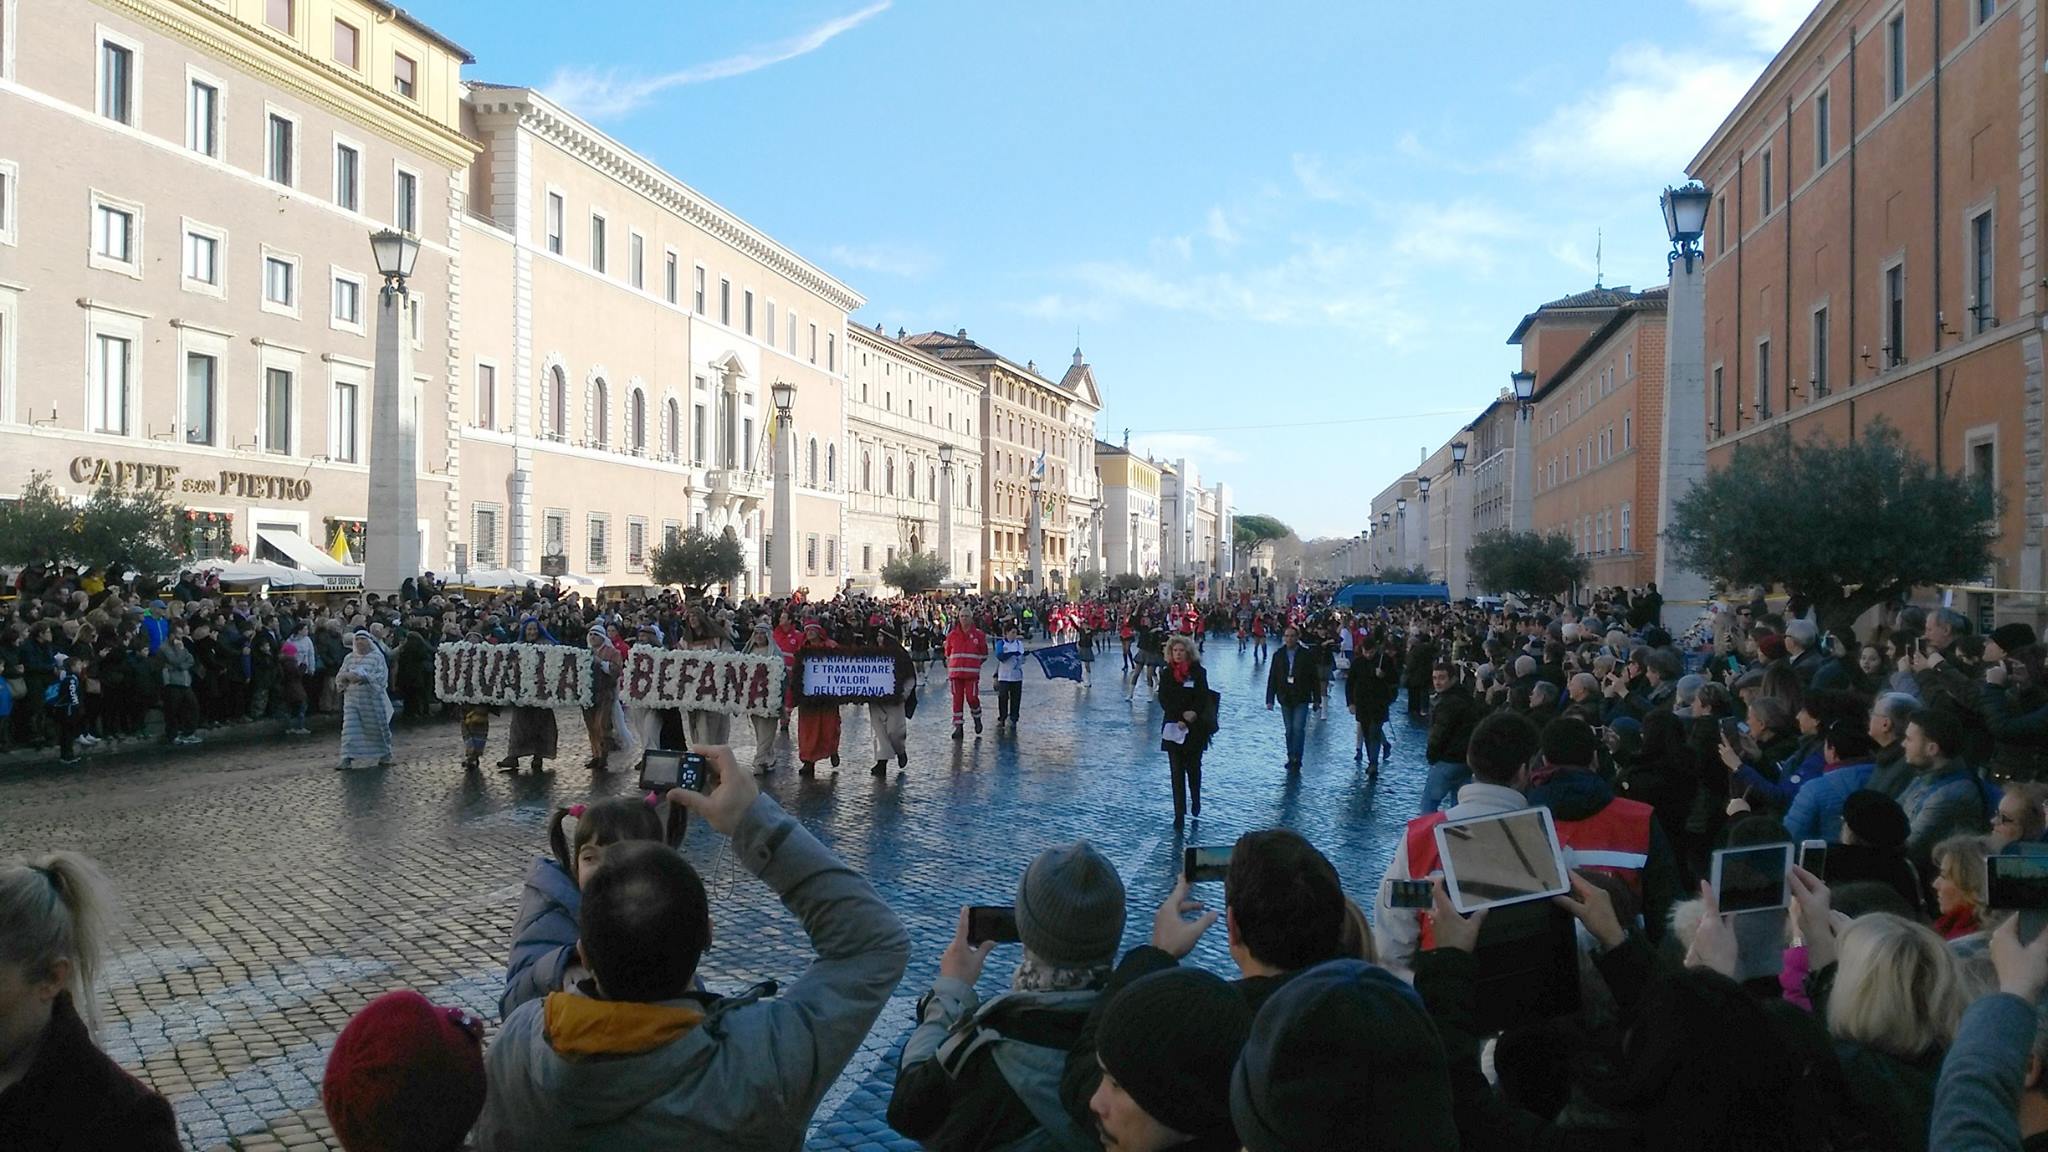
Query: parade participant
[(644, 721), (817, 731), (706, 726), (1258, 637), (605, 663), (1151, 640), (533, 728), (886, 717), (57, 1090), (966, 649), (365, 681), (1009, 677), (1189, 709), (1295, 683), (1084, 646), (1126, 635)]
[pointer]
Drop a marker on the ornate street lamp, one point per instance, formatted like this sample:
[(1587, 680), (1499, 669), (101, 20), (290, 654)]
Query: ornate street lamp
[(392, 537), (1685, 220), (395, 253), (782, 579), (1458, 456), (1525, 388)]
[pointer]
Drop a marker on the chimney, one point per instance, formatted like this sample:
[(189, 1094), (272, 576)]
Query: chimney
[(962, 334)]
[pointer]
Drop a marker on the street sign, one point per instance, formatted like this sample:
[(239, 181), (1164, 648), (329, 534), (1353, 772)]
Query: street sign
[(555, 565), (462, 559)]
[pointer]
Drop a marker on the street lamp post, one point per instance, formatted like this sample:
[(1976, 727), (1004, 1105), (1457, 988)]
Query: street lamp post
[(391, 540), (946, 506), (1682, 452), (782, 571), (1035, 537), (1401, 529), (1522, 510), (1422, 490), (1386, 519)]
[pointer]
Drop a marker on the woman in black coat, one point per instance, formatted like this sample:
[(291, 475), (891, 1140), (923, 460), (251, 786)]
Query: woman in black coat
[(1190, 718), (1369, 691)]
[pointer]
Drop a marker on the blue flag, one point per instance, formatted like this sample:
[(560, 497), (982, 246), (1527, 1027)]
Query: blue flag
[(1060, 662)]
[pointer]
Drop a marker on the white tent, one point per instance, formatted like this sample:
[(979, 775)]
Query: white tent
[(259, 572)]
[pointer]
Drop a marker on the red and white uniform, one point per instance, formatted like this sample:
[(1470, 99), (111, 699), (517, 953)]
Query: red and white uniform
[(966, 651)]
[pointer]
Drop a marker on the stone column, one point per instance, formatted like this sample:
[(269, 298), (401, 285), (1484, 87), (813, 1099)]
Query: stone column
[(782, 566), (1522, 498), (946, 516), (1684, 443), (392, 537), (1034, 539)]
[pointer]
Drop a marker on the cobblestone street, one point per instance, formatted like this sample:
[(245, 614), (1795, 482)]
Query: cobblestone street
[(267, 897)]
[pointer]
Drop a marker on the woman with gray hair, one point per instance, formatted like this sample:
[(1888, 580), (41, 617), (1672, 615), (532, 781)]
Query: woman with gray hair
[(58, 1090)]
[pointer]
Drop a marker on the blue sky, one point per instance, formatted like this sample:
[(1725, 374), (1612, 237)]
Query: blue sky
[(1293, 247)]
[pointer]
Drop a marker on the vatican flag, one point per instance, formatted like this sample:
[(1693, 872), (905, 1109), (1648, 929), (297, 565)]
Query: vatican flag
[(339, 548)]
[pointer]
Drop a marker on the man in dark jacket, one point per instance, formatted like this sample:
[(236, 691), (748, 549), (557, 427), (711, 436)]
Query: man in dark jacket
[(1294, 682), (1453, 713), (1422, 650), (1369, 691)]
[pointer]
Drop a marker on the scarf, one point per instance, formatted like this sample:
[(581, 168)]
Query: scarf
[(1179, 669), (1036, 975)]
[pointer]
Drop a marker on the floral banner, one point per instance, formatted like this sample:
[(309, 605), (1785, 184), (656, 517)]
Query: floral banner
[(524, 675), (702, 681)]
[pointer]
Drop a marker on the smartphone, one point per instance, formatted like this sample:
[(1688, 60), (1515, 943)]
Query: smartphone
[(1200, 865), (663, 770), (1409, 894), (1753, 879), (1813, 857), (2019, 884), (1507, 858), (991, 924)]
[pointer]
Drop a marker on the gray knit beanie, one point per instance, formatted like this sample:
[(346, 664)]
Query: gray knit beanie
[(1070, 906)]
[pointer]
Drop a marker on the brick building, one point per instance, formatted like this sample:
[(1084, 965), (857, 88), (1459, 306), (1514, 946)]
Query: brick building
[(1874, 245)]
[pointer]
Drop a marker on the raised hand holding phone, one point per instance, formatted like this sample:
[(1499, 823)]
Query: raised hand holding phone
[(1460, 933), (1172, 931), (1714, 946), (961, 960), (1592, 906), (2022, 968)]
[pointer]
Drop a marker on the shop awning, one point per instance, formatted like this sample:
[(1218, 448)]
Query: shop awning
[(302, 554), (260, 572)]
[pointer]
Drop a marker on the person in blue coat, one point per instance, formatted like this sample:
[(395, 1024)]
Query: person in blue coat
[(543, 956)]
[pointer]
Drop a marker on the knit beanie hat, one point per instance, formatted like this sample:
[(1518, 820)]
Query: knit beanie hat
[(1876, 819), (1343, 1056), (1070, 906), (2013, 637), (1771, 646), (1171, 1039), (405, 1076)]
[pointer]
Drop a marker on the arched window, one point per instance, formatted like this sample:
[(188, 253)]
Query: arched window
[(910, 478), (931, 476), (889, 476), (831, 465), (558, 402), (672, 430), (600, 413), (811, 463), (636, 420), (867, 473)]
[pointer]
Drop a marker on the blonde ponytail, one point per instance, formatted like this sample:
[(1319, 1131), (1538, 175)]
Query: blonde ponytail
[(58, 906)]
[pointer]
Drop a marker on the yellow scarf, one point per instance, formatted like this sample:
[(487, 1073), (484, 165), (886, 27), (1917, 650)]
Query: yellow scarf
[(578, 1026)]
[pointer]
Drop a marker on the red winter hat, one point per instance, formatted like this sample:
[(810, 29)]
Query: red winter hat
[(1771, 646), (405, 1076)]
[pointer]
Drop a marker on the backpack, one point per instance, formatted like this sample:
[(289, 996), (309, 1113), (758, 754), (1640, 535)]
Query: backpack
[(983, 1044)]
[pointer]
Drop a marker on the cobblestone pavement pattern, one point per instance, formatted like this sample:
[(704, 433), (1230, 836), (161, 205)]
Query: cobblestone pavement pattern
[(267, 897)]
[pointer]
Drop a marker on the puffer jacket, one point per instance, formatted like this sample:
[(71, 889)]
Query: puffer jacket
[(543, 937)]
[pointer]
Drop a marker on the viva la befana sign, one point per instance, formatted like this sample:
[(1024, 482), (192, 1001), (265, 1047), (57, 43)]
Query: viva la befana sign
[(98, 470)]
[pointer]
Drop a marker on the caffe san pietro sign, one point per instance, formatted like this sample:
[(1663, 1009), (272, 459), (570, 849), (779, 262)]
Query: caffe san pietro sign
[(137, 474), (550, 676)]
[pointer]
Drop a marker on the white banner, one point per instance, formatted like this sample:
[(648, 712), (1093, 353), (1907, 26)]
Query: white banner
[(865, 676), (522, 675), (702, 681)]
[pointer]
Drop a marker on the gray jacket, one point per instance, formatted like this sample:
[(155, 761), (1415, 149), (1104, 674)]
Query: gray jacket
[(1977, 1100), (177, 666), (750, 1075)]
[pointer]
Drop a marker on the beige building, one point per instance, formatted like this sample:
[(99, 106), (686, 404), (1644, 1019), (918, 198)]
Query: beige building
[(1130, 511), (187, 191), (1085, 511), (1024, 419), (618, 358), (901, 407)]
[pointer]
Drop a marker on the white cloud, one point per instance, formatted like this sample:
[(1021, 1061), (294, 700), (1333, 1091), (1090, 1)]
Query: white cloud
[(1315, 178), (1653, 114), (1205, 450), (1766, 24), (1462, 232), (1218, 228), (604, 95), (908, 261)]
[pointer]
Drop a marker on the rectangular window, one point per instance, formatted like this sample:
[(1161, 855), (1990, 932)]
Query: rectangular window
[(698, 423), (202, 259), (814, 343), (832, 354), (348, 302), (278, 162), (1985, 10), (1821, 383), (278, 14), (831, 554), (669, 277), (1982, 315), (8, 232), (112, 368), (405, 203), (113, 234), (1895, 315), (1823, 131), (636, 545), (698, 298), (598, 529), (1983, 462), (636, 255), (1721, 223), (486, 396), (867, 558), (117, 82), (1628, 429), (202, 379), (280, 282), (202, 118), (1764, 181), (345, 38), (792, 331), (404, 71), (1628, 528), (277, 411), (348, 177), (347, 417), (1763, 380), (725, 302), (597, 243), (1719, 400), (768, 323), (555, 534), (747, 311), (484, 537), (747, 442), (1895, 58), (811, 553)]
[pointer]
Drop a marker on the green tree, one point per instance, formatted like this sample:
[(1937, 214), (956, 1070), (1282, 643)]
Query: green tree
[(1128, 582), (136, 526), (1528, 564), (698, 559), (1415, 575), (914, 572), (1089, 580), (1250, 531), (1848, 526)]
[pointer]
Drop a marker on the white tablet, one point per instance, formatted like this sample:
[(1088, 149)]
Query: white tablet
[(1753, 879), (1507, 858)]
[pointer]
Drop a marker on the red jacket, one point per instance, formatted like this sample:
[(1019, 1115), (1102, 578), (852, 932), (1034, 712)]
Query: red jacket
[(1615, 840), (966, 650)]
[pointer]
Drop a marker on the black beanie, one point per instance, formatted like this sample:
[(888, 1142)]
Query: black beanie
[(1343, 1056), (1170, 1040), (1876, 818)]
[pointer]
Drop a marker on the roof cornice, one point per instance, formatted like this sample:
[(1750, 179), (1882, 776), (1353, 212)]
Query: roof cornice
[(1648, 305), (918, 356), (563, 129)]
